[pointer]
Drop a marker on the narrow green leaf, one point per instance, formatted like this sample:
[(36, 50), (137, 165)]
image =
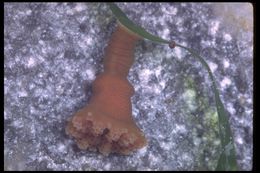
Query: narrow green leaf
[(227, 159), (124, 20)]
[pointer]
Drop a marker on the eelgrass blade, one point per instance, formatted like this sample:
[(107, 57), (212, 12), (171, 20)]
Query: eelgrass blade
[(124, 20), (227, 159)]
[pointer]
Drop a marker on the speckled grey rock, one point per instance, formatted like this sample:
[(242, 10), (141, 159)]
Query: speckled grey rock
[(53, 51)]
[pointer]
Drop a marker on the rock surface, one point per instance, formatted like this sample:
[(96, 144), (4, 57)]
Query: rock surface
[(53, 51)]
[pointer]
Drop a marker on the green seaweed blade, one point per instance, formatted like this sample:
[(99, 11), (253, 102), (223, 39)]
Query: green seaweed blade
[(124, 20), (227, 160)]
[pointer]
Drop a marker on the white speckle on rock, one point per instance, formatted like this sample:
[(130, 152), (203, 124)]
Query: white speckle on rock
[(88, 41), (239, 140), (178, 52), (226, 63), (41, 42), (171, 10), (153, 158), (227, 37), (142, 151), (59, 34), (212, 66), (23, 93), (249, 100), (31, 62), (70, 11), (214, 27), (107, 166), (158, 71), (189, 97), (186, 156), (90, 74), (206, 43), (61, 148), (60, 89), (180, 128), (165, 33), (179, 22), (144, 75), (80, 7), (162, 84), (225, 82), (230, 108), (28, 12), (217, 142), (165, 145), (17, 123), (196, 141), (157, 89)]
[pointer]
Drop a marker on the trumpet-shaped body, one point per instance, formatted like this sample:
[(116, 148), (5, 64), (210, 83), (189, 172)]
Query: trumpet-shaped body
[(106, 122)]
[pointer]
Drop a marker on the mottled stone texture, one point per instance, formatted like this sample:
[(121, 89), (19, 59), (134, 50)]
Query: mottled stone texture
[(53, 52)]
